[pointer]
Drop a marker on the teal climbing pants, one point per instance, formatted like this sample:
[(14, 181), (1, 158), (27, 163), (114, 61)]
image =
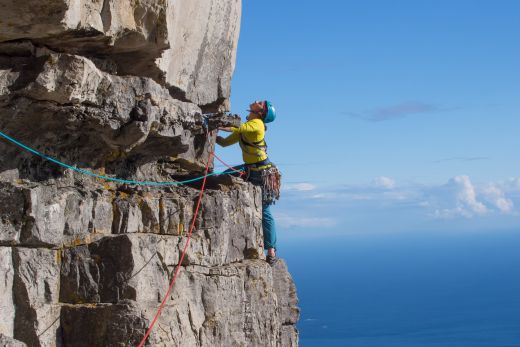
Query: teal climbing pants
[(269, 227), (268, 223)]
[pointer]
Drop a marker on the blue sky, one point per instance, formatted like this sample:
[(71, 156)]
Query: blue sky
[(392, 115)]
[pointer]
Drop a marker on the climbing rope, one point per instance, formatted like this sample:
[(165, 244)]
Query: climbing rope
[(232, 168), (141, 344), (119, 180)]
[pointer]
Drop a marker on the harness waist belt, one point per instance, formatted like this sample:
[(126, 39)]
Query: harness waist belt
[(259, 166)]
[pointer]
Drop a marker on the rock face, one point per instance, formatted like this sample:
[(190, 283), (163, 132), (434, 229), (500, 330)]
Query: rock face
[(118, 88), (199, 56), (187, 45)]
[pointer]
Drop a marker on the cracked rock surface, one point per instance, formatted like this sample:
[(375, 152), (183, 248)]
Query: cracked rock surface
[(118, 89)]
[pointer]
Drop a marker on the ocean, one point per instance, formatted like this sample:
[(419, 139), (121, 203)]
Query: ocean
[(407, 289)]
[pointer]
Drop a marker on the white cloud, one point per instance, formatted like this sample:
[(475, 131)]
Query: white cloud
[(299, 187), (452, 213), (346, 194), (495, 196), (288, 221), (383, 182), (459, 198), (504, 205), (467, 196), (459, 203), (322, 196), (397, 195)]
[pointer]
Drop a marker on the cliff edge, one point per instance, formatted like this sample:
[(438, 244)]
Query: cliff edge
[(118, 89)]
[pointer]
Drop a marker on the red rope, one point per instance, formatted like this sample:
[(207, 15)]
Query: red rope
[(141, 344), (231, 167)]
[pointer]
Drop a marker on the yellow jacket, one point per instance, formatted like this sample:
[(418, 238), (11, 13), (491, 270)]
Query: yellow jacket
[(251, 137)]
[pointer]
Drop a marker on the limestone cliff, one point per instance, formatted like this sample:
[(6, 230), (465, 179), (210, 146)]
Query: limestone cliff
[(118, 88)]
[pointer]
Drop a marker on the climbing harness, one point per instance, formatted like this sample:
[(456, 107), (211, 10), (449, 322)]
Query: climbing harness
[(262, 173), (113, 179), (259, 166), (260, 146)]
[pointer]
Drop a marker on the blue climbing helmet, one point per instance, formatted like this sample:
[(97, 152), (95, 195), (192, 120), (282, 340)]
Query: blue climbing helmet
[(271, 112)]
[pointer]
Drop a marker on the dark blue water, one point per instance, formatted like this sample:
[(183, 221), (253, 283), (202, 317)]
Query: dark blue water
[(423, 289)]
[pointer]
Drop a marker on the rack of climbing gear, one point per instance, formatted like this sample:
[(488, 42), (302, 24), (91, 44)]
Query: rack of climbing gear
[(271, 184)]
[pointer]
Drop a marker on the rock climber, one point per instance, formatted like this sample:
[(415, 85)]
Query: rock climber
[(258, 168)]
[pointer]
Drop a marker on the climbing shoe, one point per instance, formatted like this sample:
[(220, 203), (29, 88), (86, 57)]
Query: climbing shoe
[(271, 260)]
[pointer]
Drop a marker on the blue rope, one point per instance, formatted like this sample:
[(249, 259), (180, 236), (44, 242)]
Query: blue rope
[(119, 180)]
